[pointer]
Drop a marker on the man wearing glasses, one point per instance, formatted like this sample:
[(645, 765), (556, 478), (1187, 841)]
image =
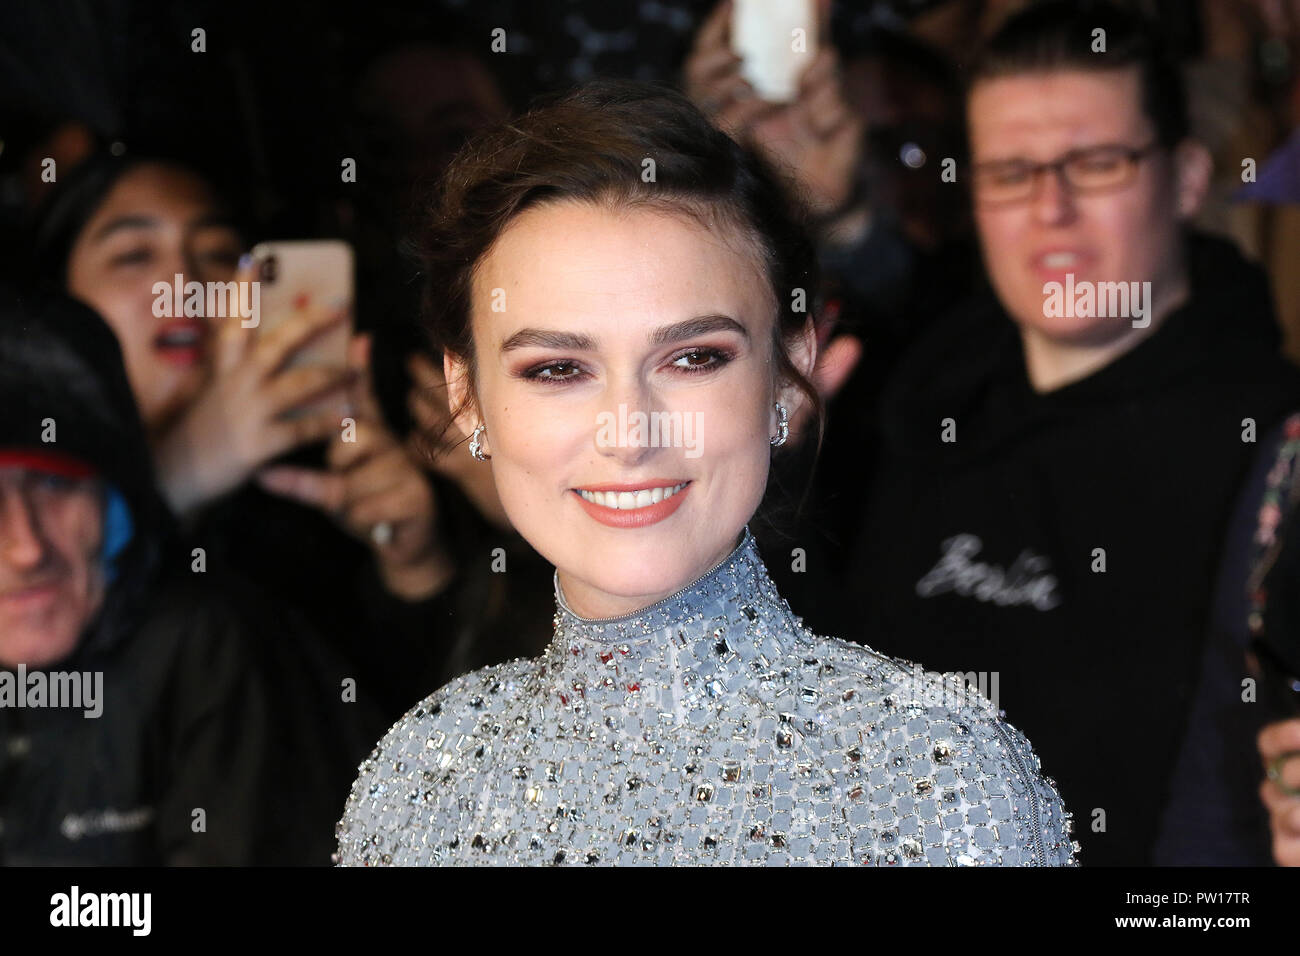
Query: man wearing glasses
[(1056, 479)]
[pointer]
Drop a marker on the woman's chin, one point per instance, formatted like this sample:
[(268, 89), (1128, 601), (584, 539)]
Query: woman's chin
[(622, 585)]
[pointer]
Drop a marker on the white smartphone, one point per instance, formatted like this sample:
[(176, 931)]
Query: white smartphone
[(291, 274), (319, 271), (777, 39)]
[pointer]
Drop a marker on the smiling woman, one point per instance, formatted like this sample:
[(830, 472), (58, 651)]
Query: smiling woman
[(120, 223), (681, 713)]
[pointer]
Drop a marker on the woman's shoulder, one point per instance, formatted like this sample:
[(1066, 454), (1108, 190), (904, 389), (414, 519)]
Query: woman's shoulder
[(889, 677), (458, 706), (417, 751), (967, 738)]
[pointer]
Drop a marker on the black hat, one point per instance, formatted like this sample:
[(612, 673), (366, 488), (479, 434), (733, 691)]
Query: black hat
[(65, 394)]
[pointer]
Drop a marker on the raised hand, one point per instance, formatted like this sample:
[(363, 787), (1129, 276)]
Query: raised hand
[(248, 412), (817, 138), (375, 490)]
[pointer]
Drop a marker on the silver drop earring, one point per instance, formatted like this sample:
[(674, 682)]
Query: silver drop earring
[(782, 426), (476, 446)]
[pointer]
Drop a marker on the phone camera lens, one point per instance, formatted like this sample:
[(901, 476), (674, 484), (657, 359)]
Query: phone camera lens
[(270, 269)]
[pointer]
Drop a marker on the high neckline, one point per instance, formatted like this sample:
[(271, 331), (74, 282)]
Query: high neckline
[(740, 572)]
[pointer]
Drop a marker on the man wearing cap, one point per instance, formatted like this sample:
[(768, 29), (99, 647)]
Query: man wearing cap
[(181, 757)]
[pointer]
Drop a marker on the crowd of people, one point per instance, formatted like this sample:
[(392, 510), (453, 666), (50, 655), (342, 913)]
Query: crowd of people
[(1089, 512)]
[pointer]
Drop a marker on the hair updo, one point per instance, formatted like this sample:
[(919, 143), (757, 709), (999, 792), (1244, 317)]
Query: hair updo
[(591, 145)]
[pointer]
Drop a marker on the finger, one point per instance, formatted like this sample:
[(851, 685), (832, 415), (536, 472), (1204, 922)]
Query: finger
[(301, 386), (319, 489), (427, 399), (378, 475), (429, 414), (286, 433), (232, 341), (823, 14), (716, 29), (398, 505), (739, 116), (277, 347), (820, 71), (721, 105), (736, 89), (424, 371), (365, 405), (709, 74), (826, 113), (364, 440)]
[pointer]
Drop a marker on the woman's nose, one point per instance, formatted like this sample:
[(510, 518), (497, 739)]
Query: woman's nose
[(624, 420)]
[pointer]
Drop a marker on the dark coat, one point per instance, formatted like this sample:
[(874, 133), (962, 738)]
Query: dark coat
[(985, 554), (219, 740)]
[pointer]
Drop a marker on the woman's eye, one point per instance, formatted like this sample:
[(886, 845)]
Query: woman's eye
[(132, 257), (221, 257), (700, 360), (554, 372)]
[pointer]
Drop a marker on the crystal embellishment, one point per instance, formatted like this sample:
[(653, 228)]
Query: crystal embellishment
[(748, 740)]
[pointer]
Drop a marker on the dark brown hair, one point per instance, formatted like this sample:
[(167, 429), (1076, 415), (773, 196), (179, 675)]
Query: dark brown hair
[(591, 145), (1056, 35)]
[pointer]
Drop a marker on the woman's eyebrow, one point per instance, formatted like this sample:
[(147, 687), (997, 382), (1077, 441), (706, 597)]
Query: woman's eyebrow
[(123, 222), (549, 339), (578, 342), (700, 325)]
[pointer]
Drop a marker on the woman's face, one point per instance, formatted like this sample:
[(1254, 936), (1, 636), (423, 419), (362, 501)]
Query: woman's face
[(155, 222), (582, 318)]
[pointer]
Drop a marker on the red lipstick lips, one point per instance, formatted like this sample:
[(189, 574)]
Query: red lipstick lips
[(634, 517)]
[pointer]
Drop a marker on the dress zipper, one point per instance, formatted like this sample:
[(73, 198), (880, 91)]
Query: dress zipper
[(1039, 851)]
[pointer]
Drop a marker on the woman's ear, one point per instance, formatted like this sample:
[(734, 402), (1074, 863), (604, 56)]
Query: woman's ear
[(460, 404), (1194, 167)]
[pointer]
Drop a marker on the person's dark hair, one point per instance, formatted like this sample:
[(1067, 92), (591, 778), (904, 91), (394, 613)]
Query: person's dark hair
[(75, 200), (592, 145), (1056, 35)]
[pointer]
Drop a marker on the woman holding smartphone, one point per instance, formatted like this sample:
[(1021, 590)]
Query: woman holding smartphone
[(620, 292), (218, 398), (223, 404)]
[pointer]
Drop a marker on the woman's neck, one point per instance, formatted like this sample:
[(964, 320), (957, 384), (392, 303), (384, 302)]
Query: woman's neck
[(592, 603)]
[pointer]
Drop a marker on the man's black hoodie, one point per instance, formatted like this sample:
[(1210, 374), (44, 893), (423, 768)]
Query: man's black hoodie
[(1066, 542), (202, 752)]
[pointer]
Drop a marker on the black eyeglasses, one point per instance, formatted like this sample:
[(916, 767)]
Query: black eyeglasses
[(1093, 169)]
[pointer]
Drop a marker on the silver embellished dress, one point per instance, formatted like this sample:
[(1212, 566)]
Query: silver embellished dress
[(711, 727)]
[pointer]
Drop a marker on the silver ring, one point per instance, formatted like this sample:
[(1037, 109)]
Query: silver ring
[(382, 533)]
